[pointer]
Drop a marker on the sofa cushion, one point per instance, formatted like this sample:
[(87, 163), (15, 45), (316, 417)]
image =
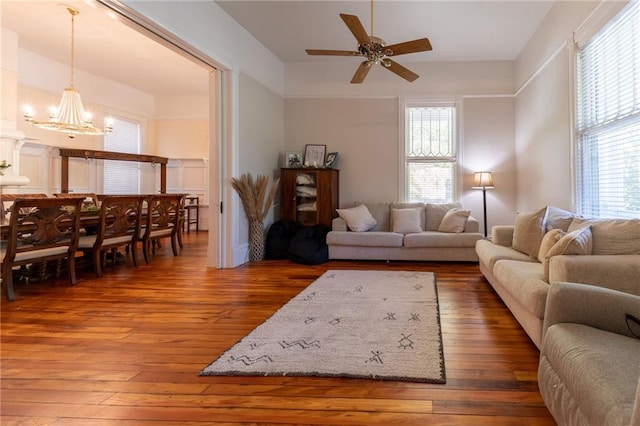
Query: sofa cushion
[(611, 236), (435, 213), (406, 221), (358, 218), (454, 220), (524, 281), (489, 253), (558, 218), (529, 231), (365, 239), (441, 239), (601, 381), (578, 242), (409, 206)]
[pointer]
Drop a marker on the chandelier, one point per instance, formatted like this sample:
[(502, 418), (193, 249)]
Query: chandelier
[(69, 117)]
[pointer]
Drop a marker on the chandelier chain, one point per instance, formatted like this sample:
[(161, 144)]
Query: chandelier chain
[(73, 13)]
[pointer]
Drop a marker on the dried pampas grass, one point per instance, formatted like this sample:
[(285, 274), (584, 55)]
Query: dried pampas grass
[(253, 194)]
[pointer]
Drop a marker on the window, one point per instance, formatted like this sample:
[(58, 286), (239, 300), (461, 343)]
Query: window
[(430, 153), (608, 119), (122, 177)]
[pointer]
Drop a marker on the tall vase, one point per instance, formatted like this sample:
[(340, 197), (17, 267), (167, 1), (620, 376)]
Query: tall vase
[(256, 241)]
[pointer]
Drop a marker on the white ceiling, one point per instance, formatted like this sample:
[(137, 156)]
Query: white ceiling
[(104, 46), (458, 30)]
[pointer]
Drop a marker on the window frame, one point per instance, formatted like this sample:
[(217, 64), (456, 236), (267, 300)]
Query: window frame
[(591, 35), (404, 104)]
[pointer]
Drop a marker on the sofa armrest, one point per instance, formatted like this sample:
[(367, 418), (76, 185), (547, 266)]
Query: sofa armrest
[(338, 224), (617, 272), (472, 225), (502, 235), (594, 306)]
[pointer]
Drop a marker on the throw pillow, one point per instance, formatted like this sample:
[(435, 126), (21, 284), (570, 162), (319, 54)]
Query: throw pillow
[(558, 218), (578, 242), (528, 232), (454, 221), (435, 213), (406, 221), (358, 218), (548, 241)]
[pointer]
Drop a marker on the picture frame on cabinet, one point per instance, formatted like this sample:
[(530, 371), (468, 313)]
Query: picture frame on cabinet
[(332, 159), (314, 155), (293, 159)]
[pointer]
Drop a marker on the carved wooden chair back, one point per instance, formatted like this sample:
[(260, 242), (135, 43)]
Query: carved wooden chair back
[(118, 226), (40, 230), (162, 221), (84, 195), (9, 199)]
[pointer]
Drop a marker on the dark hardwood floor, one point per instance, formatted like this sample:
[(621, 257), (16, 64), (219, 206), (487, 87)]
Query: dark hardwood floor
[(127, 348)]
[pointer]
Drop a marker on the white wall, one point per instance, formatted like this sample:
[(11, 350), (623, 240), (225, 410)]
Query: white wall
[(488, 144), (364, 132), (331, 79), (261, 136)]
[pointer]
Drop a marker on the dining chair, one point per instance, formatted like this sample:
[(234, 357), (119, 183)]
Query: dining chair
[(162, 221), (41, 230), (118, 225), (84, 195), (7, 201)]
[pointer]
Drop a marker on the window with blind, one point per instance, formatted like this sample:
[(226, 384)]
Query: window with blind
[(430, 153), (608, 119), (122, 177)]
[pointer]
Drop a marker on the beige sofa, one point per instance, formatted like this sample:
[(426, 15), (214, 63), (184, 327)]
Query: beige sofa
[(589, 372), (419, 239), (513, 264)]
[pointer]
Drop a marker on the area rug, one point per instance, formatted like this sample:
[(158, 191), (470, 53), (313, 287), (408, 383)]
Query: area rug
[(360, 324)]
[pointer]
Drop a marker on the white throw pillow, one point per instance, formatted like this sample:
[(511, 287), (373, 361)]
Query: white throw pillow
[(454, 221), (358, 218), (529, 231), (406, 221), (578, 242)]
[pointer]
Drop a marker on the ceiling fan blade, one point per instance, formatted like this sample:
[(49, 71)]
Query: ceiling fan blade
[(356, 28), (413, 46), (332, 52), (403, 72), (361, 72)]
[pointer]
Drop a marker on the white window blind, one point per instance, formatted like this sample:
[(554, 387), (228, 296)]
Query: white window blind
[(122, 177), (608, 119), (430, 154)]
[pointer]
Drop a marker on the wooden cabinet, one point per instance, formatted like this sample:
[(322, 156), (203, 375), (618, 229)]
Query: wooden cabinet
[(309, 196)]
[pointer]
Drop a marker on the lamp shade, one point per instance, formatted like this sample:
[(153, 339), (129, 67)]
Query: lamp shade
[(483, 180)]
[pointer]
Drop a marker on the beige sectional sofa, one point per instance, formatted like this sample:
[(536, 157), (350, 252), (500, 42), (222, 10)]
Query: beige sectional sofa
[(552, 245), (404, 231)]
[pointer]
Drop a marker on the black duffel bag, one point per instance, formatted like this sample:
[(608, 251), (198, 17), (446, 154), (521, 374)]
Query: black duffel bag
[(309, 245), (279, 237)]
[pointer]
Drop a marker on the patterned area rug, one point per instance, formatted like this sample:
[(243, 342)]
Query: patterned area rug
[(360, 324)]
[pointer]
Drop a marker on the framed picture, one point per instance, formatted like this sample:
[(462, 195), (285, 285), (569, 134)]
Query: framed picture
[(293, 159), (314, 155), (331, 159)]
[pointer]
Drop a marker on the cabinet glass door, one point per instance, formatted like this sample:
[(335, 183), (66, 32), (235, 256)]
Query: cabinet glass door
[(307, 197)]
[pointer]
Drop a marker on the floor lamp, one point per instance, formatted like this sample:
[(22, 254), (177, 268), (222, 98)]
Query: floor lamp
[(484, 181)]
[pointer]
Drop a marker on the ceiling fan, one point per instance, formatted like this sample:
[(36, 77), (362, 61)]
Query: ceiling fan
[(375, 50)]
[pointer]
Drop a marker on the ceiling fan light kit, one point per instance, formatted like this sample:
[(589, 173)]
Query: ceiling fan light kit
[(375, 50)]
